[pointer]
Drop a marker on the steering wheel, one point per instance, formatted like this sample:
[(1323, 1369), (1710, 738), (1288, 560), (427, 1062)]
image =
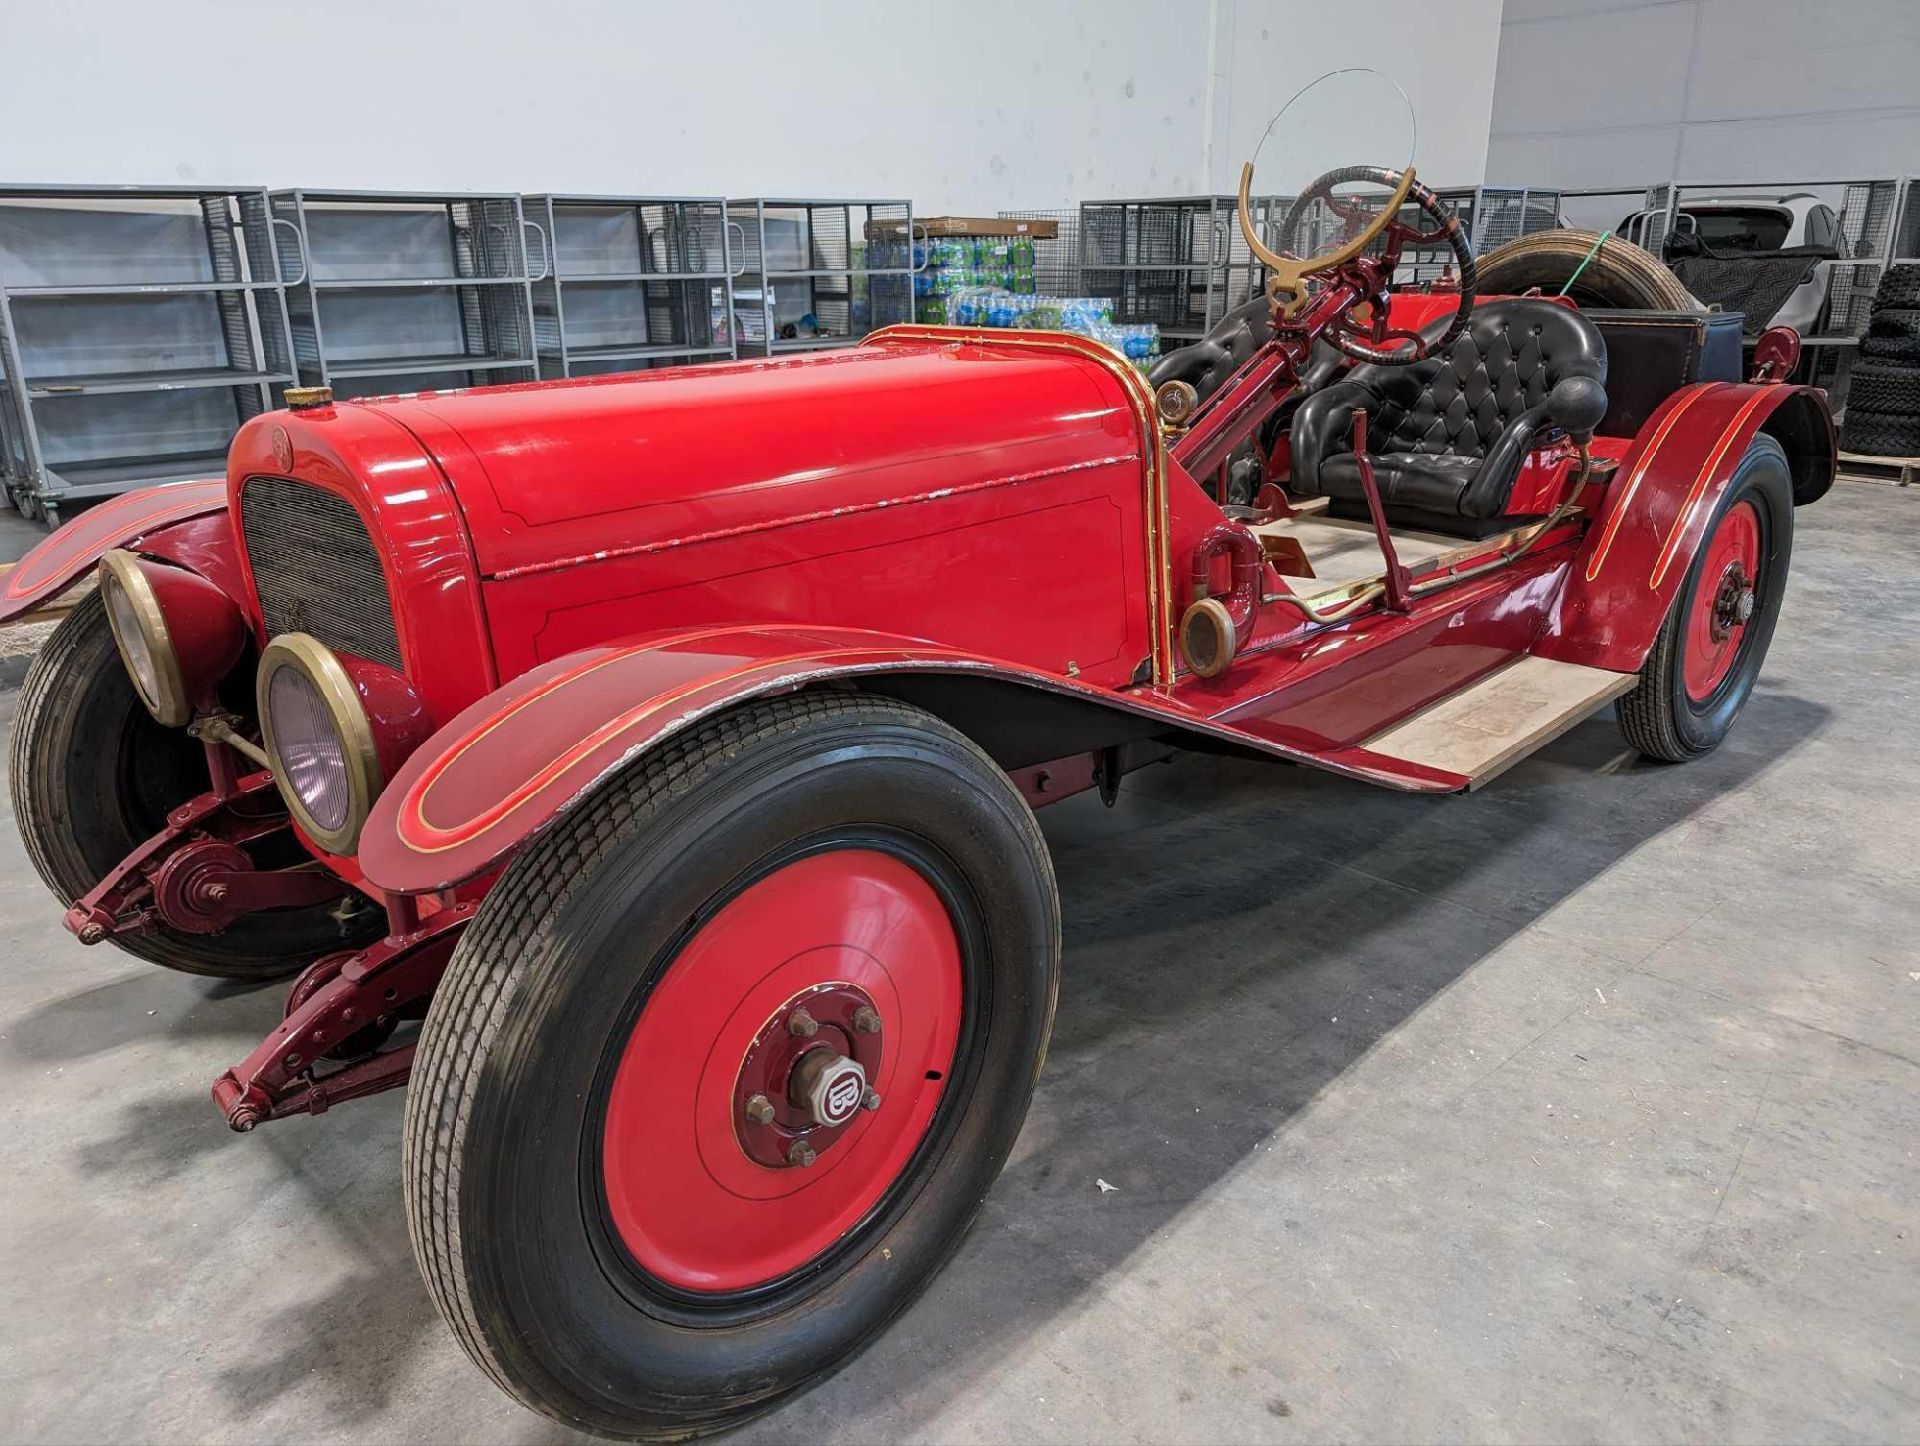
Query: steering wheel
[(1374, 341)]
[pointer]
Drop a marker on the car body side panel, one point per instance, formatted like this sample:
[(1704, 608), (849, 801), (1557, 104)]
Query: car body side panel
[(138, 520), (1635, 558), (503, 770), (1043, 569)]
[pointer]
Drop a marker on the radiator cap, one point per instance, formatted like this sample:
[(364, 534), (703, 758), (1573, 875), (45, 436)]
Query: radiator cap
[(307, 399)]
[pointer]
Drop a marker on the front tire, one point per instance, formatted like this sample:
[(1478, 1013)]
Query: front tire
[(1707, 657), (94, 775), (613, 1237)]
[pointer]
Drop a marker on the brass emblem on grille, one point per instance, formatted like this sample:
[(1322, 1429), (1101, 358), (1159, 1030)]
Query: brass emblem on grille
[(282, 449)]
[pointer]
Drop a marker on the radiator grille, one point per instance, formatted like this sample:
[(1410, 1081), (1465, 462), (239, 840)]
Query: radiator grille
[(315, 569)]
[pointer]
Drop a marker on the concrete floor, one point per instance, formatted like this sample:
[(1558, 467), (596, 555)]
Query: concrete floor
[(1583, 1109)]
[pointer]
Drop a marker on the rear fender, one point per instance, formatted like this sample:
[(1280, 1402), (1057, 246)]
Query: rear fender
[(511, 764), (1634, 560), (183, 522)]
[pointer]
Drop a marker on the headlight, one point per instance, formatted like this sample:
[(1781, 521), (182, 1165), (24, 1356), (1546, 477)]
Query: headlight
[(320, 740), (178, 634)]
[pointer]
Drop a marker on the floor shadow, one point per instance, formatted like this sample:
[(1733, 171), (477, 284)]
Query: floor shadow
[(160, 1137), (353, 1348), (150, 1000)]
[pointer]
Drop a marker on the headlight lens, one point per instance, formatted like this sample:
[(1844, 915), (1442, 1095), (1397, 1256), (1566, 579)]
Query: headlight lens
[(130, 632), (311, 756), (319, 739)]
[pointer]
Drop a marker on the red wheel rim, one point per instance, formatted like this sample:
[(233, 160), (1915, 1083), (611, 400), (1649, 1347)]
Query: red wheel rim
[(1723, 601), (686, 1199)]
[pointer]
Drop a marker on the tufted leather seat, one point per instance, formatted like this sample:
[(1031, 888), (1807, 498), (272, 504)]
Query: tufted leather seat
[(1448, 435)]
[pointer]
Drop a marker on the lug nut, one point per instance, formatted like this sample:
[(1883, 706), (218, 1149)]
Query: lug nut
[(871, 1099), (801, 1153), (760, 1110), (803, 1024), (866, 1019)]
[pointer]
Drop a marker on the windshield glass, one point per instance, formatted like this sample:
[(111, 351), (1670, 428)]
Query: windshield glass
[(1750, 228), (1345, 120)]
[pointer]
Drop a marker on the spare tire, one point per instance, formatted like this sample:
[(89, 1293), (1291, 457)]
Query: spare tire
[(1619, 274)]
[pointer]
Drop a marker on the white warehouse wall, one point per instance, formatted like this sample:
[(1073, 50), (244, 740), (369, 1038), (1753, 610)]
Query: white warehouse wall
[(1625, 92), (963, 108)]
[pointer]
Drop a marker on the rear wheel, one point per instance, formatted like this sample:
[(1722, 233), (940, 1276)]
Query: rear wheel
[(93, 775), (727, 1063), (1710, 648)]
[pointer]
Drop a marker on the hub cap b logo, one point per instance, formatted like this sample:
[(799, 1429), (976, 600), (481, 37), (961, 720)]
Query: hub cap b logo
[(840, 1094)]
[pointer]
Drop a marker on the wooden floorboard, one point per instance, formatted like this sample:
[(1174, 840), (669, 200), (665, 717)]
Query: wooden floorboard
[(1492, 725)]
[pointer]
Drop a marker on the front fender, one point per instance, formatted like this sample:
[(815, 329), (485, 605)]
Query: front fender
[(1634, 559), (176, 521), (508, 766)]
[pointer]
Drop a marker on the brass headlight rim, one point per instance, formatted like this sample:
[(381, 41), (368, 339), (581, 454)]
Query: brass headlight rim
[(122, 571), (1207, 622), (1176, 401), (322, 667)]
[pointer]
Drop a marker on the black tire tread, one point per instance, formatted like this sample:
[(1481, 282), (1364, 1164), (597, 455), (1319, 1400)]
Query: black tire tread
[(1899, 322), (1887, 388), (1899, 287), (476, 994), (1645, 713), (50, 666), (1891, 348), (1873, 435)]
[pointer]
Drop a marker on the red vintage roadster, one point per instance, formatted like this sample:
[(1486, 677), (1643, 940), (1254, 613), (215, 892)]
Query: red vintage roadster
[(644, 769)]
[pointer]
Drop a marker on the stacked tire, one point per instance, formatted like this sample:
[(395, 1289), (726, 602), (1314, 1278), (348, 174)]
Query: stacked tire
[(1883, 396)]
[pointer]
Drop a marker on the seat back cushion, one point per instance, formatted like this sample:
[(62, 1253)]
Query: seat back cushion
[(1506, 361)]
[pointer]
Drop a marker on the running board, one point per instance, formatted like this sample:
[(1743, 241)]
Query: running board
[(1485, 729)]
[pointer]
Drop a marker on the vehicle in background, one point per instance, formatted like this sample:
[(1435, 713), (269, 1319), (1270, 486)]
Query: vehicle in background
[(1736, 227)]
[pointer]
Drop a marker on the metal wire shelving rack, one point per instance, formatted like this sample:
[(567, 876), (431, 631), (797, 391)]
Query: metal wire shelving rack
[(139, 327), (405, 291), (845, 263), (1056, 261), (630, 282), (1492, 216), (1179, 262)]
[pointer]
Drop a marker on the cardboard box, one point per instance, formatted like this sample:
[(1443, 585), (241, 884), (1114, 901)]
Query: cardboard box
[(935, 226)]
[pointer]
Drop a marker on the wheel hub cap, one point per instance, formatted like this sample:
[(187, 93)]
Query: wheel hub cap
[(804, 1078), (1733, 604), (782, 1072)]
